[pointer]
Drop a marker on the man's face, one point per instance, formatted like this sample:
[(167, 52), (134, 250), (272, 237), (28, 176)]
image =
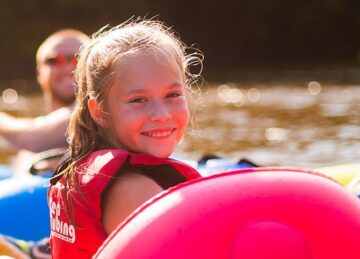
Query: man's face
[(55, 70)]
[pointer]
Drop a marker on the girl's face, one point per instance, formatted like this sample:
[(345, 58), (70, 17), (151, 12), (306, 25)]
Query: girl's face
[(147, 105)]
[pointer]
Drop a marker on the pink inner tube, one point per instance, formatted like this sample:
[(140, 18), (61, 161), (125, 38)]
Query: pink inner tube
[(253, 213)]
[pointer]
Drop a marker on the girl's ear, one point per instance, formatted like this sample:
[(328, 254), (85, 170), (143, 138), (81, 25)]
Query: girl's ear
[(96, 112)]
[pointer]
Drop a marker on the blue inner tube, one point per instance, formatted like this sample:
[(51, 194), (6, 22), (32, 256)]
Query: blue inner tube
[(23, 207)]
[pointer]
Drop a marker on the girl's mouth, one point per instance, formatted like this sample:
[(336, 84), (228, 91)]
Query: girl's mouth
[(158, 133)]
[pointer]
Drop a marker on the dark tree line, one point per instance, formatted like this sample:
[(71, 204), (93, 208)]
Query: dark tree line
[(232, 34)]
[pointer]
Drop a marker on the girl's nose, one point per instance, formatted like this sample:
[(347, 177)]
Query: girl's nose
[(160, 112)]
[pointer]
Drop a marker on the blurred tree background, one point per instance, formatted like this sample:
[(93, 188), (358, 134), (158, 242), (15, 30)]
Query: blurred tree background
[(234, 35)]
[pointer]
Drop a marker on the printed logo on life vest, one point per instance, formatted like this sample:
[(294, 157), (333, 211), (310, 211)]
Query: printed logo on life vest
[(59, 228)]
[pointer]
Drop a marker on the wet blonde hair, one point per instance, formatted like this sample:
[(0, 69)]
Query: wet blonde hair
[(94, 74)]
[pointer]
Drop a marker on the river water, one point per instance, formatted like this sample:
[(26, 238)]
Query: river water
[(306, 125)]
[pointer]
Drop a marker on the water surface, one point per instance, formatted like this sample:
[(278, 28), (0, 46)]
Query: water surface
[(309, 125)]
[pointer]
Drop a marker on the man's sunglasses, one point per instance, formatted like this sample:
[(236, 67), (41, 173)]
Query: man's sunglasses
[(61, 60)]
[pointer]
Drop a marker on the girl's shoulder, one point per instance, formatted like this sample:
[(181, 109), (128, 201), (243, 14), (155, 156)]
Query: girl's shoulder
[(130, 189)]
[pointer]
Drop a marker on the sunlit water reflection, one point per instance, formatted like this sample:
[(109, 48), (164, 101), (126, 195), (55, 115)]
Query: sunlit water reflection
[(308, 126)]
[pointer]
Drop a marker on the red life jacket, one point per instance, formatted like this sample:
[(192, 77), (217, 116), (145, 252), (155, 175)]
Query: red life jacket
[(94, 174)]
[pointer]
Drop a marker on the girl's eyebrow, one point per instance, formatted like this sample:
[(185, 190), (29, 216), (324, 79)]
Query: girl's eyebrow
[(175, 85)]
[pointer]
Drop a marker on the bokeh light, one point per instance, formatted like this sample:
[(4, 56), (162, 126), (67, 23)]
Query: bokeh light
[(10, 96), (314, 88), (229, 95), (253, 95)]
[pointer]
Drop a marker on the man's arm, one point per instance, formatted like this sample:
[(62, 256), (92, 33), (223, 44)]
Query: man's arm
[(36, 134)]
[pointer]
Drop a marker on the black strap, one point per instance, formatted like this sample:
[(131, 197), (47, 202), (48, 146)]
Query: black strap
[(165, 176)]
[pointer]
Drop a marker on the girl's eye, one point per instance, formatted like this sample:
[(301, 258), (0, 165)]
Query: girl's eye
[(173, 95), (138, 100)]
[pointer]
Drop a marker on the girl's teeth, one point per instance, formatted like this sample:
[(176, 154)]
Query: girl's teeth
[(159, 134)]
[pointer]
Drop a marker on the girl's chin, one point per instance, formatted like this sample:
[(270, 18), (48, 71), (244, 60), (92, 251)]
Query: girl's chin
[(160, 153), (164, 154)]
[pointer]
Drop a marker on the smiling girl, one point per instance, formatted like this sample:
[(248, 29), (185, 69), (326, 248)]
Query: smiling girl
[(131, 112)]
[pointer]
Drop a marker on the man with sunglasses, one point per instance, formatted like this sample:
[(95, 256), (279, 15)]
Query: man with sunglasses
[(56, 61)]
